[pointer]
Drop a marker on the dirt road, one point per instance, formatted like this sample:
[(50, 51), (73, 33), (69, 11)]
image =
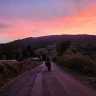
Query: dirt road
[(39, 82)]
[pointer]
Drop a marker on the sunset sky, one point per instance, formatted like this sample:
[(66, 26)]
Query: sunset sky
[(33, 18)]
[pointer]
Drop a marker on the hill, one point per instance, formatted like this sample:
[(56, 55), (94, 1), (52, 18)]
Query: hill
[(47, 40)]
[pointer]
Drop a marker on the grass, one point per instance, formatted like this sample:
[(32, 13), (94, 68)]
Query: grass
[(10, 70)]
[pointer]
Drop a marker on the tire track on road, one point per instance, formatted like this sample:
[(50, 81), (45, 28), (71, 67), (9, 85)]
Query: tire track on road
[(51, 85)]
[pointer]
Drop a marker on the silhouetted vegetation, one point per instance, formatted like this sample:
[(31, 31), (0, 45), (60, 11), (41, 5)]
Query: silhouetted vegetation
[(79, 59), (62, 47), (13, 51), (9, 70), (8, 50)]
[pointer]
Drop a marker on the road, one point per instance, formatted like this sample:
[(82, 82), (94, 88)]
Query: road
[(39, 82)]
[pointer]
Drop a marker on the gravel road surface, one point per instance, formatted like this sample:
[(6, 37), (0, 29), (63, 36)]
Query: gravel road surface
[(39, 82)]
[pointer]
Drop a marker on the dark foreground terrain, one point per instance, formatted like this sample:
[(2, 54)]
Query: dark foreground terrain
[(39, 82)]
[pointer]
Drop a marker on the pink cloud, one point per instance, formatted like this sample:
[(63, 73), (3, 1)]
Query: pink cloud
[(83, 22)]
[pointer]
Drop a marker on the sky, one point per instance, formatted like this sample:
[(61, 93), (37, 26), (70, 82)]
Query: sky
[(34, 18)]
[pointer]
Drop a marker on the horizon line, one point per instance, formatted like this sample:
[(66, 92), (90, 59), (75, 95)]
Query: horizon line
[(44, 36)]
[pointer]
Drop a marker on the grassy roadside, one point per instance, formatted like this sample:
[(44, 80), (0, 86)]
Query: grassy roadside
[(90, 81), (11, 70)]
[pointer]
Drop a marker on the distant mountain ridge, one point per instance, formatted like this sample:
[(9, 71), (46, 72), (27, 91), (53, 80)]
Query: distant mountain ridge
[(51, 39)]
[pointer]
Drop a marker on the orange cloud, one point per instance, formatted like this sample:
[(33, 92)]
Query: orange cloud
[(81, 23)]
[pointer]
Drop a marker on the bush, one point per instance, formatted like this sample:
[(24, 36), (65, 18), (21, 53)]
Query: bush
[(62, 47), (80, 63), (9, 70), (2, 66)]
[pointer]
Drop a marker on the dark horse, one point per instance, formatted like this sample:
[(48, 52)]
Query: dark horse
[(48, 64)]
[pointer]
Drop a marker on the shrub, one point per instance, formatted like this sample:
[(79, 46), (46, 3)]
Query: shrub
[(80, 63), (2, 67), (62, 47), (9, 70)]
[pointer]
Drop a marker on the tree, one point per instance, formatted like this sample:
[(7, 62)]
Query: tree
[(40, 51), (28, 47), (26, 54), (30, 50), (8, 50), (62, 47)]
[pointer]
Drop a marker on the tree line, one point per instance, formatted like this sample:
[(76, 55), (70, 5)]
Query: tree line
[(12, 51)]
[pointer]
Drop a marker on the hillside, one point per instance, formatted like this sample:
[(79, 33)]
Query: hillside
[(46, 40)]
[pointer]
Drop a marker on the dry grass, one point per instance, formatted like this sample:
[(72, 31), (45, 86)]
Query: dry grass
[(9, 70), (80, 63), (90, 80)]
